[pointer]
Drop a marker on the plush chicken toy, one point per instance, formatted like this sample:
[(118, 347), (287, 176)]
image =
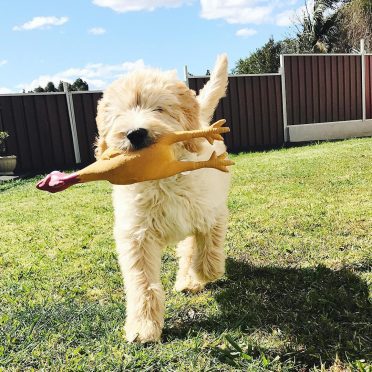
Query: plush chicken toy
[(150, 163)]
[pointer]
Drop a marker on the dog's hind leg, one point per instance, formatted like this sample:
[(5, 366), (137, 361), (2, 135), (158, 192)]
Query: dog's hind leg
[(186, 278), (209, 261), (140, 264), (201, 257)]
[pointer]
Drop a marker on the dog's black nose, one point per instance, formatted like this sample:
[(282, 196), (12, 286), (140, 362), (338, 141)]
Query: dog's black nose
[(137, 137)]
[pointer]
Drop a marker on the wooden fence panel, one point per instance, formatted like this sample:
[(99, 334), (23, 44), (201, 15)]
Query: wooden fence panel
[(253, 110), (323, 88), (39, 129)]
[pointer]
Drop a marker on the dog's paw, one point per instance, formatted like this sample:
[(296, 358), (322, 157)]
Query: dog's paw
[(142, 331), (188, 284), (210, 272)]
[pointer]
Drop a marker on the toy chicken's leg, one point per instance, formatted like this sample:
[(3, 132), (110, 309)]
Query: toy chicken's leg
[(211, 133), (218, 162)]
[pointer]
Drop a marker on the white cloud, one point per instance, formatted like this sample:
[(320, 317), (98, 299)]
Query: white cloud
[(237, 11), (122, 6), (292, 2), (279, 12), (4, 90), (245, 32), (97, 75), (276, 12), (293, 16), (41, 23), (3, 62), (286, 18), (97, 31)]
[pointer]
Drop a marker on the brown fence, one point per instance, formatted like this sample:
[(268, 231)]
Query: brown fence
[(368, 66), (253, 110), (323, 88), (39, 128)]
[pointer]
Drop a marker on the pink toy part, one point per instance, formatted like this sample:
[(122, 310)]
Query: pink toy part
[(57, 181)]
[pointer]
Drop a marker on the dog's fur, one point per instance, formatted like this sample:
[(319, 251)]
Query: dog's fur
[(188, 209)]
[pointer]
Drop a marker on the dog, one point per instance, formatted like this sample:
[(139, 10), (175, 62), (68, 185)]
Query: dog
[(189, 209)]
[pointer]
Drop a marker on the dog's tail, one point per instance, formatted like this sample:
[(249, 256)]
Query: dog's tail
[(214, 90)]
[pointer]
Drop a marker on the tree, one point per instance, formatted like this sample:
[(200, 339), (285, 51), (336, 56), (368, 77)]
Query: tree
[(39, 89), (61, 86), (356, 23), (265, 59), (50, 87), (335, 26), (328, 26), (79, 85), (319, 29)]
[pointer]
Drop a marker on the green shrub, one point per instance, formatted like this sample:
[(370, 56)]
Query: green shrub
[(3, 137)]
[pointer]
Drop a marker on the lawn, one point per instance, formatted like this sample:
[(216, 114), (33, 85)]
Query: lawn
[(296, 294)]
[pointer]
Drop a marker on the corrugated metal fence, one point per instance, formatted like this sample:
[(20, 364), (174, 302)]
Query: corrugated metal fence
[(320, 88), (40, 129), (323, 88), (253, 110), (316, 89)]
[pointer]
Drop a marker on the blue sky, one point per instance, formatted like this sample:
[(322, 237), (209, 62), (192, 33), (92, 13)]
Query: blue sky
[(99, 40)]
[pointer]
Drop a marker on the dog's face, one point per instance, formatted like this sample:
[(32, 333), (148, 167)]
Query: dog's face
[(142, 106)]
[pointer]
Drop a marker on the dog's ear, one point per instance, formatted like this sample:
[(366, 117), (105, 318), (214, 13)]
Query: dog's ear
[(190, 114)]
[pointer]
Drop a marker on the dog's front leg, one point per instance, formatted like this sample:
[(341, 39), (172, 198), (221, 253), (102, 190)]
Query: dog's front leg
[(140, 265)]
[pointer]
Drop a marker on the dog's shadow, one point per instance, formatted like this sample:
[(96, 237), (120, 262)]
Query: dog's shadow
[(317, 312)]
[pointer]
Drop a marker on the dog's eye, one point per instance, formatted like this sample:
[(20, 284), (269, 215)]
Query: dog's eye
[(159, 109)]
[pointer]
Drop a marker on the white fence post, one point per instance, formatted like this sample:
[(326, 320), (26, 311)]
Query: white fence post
[(71, 114), (363, 56), (284, 99), (186, 72)]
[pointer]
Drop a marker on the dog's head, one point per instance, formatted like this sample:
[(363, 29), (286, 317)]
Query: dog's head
[(142, 106)]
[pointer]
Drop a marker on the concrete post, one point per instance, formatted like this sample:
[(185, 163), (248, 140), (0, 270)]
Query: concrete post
[(71, 114)]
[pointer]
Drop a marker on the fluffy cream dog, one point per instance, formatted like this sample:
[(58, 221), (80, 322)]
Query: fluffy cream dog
[(188, 209)]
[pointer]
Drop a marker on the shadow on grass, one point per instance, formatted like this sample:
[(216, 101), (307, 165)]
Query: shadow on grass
[(311, 313), (7, 185), (317, 312), (12, 183)]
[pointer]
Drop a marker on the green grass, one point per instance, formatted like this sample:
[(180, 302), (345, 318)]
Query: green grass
[(295, 295)]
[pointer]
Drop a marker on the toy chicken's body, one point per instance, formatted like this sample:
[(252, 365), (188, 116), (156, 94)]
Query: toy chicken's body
[(154, 162)]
